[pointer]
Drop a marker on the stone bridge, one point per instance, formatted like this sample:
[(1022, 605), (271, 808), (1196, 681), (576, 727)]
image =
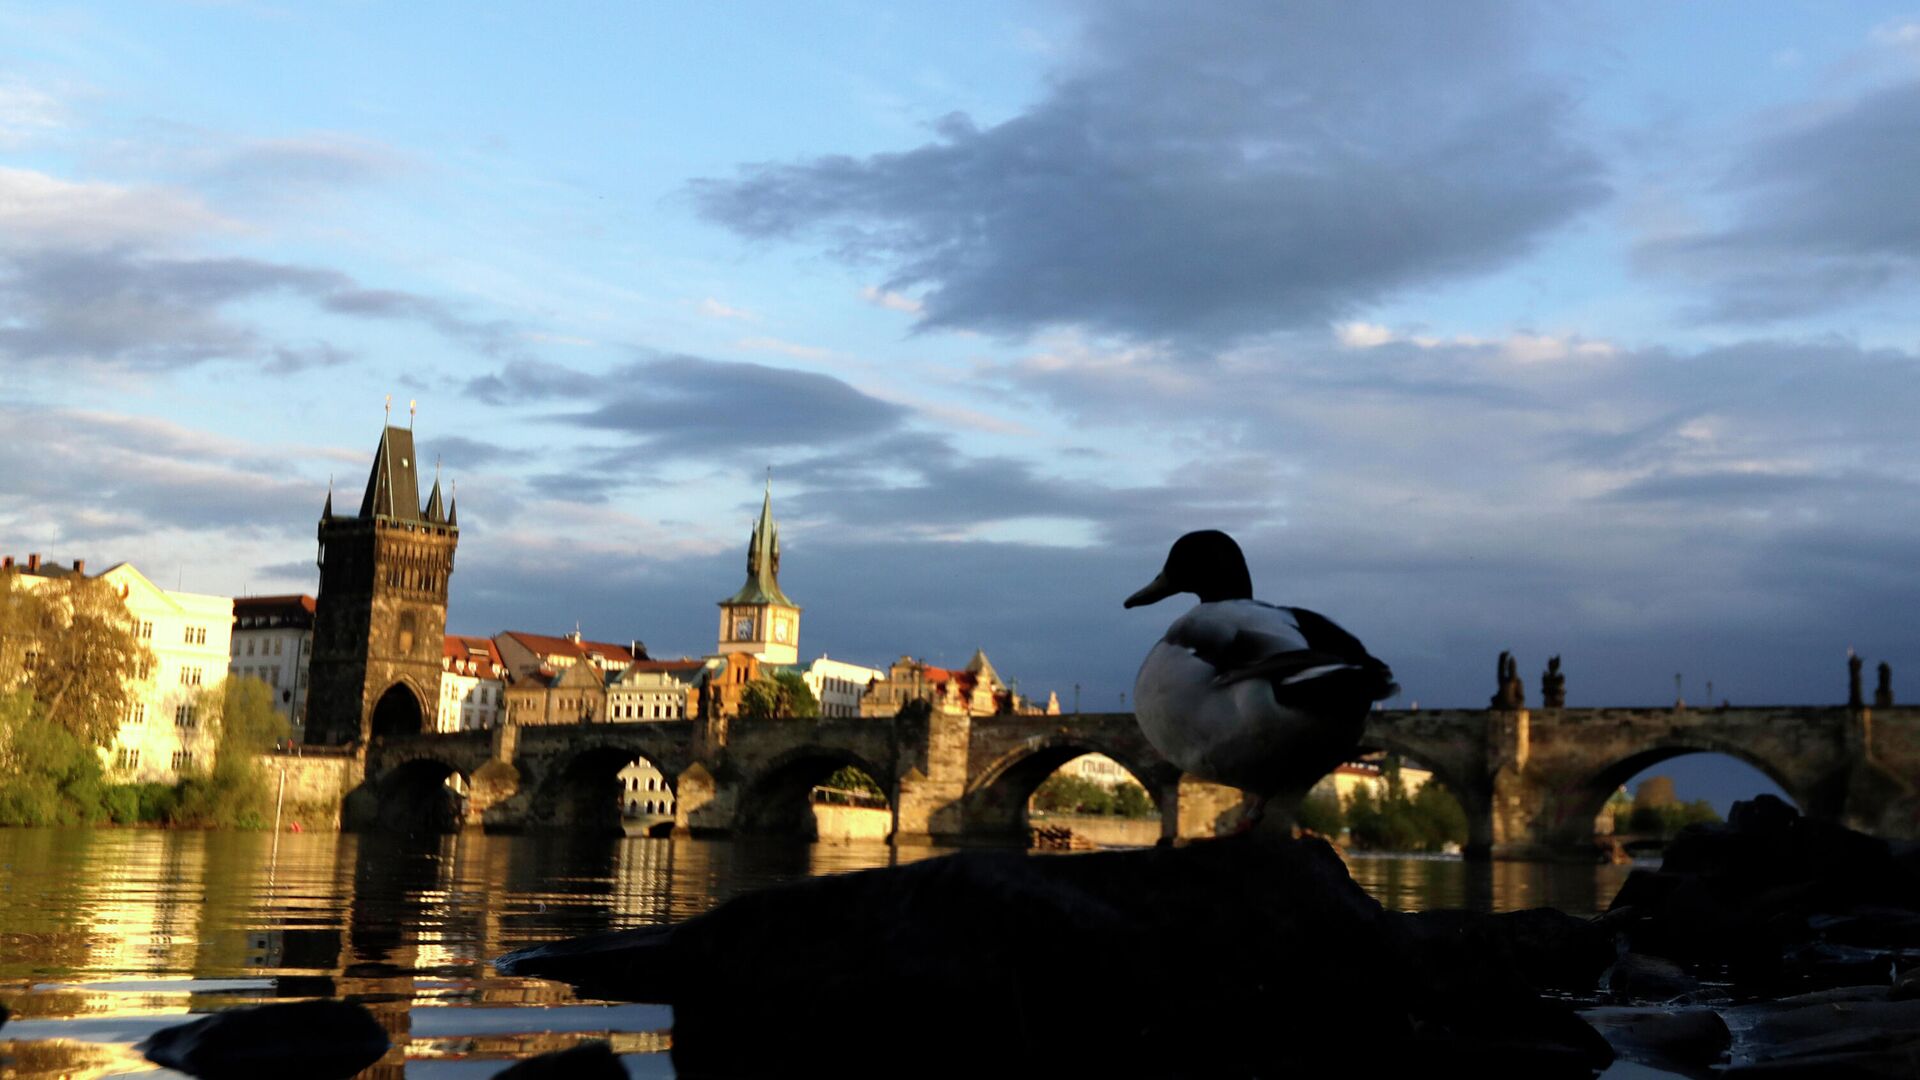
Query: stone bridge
[(1531, 781)]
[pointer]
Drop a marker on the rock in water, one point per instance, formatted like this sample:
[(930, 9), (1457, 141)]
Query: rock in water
[(301, 1040), (1254, 955), (593, 1060)]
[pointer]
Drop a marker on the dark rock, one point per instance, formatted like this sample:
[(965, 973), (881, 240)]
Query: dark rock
[(1863, 1052), (301, 1040), (1820, 965), (1907, 986), (1251, 955), (1550, 949), (594, 1060), (1663, 1036), (1807, 1021), (1639, 977)]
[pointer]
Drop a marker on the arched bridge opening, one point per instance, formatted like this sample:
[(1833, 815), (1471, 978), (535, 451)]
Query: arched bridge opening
[(398, 714), (421, 796), (1039, 782), (1430, 825), (815, 793), (1635, 801), (590, 793)]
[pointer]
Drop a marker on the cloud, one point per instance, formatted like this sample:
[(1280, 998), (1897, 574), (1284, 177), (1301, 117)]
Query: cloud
[(40, 212), (1819, 216), (27, 112), (718, 310), (1210, 171), (312, 161), (890, 300), (119, 309), (785, 348), (79, 476)]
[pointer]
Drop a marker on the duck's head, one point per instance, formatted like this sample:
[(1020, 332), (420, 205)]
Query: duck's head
[(1207, 564)]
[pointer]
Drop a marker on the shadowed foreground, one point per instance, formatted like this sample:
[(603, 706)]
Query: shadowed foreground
[(1251, 955)]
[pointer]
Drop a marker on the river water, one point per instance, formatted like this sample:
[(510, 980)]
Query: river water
[(108, 935)]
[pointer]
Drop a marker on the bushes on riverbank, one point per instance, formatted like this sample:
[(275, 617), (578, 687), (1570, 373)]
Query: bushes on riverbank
[(1064, 794), (49, 777), (1428, 820)]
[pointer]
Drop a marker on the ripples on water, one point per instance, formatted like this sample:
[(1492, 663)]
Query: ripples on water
[(109, 935)]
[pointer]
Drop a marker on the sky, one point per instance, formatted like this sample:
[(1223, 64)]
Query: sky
[(1481, 326)]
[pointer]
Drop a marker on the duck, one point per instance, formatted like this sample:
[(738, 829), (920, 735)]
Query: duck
[(1256, 696)]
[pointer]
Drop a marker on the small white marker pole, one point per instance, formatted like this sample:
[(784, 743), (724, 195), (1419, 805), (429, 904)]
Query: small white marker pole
[(279, 797)]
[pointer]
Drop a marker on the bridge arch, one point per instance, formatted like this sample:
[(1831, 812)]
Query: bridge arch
[(1585, 801), (777, 799), (421, 795), (1459, 777), (997, 796), (582, 791), (399, 712)]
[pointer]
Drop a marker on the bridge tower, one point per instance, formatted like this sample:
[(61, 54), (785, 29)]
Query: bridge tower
[(381, 615), (759, 619)]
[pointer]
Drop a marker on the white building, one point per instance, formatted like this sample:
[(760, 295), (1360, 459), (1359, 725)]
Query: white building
[(161, 735), (1099, 769), (650, 690), (838, 685), (272, 642), (473, 685)]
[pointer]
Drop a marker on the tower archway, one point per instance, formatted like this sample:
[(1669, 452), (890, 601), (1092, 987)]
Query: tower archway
[(397, 714)]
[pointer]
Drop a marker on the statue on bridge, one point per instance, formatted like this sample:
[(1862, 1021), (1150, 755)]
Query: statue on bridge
[(1553, 686), (1854, 700), (1883, 693), (1512, 693)]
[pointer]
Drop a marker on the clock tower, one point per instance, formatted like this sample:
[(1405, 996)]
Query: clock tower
[(759, 619)]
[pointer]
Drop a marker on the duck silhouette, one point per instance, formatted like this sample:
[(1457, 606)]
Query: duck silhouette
[(1253, 695)]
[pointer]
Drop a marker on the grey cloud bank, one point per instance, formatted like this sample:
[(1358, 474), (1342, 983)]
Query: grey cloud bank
[(1200, 174)]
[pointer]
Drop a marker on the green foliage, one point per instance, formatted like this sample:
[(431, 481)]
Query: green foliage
[(51, 776), (785, 695), (1132, 801), (1064, 794), (849, 778), (1665, 820), (70, 642), (1320, 812), (1394, 821)]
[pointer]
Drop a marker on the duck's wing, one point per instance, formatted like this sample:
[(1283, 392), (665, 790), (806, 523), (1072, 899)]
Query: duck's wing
[(1303, 654)]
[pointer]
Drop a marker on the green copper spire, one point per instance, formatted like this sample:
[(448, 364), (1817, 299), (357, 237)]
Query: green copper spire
[(763, 561)]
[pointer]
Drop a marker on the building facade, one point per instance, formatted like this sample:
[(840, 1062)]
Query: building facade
[(473, 685), (759, 620), (380, 619), (164, 732), (838, 686), (975, 690), (650, 690), (272, 642)]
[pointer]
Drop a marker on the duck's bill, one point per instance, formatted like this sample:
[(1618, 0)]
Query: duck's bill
[(1158, 589)]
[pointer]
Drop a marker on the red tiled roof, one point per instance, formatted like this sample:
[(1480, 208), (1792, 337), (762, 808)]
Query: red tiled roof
[(668, 665), (467, 647), (291, 608), (543, 645)]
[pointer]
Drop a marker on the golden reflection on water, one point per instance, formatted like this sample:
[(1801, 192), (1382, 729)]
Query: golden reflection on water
[(108, 935)]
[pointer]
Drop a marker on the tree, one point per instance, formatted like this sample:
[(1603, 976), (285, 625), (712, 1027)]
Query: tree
[(235, 791), (1320, 813), (70, 642), (47, 775), (1132, 801), (784, 695)]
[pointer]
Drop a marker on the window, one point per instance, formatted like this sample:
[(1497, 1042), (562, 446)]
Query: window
[(146, 669), (273, 677), (190, 676), (249, 646), (277, 643), (182, 760), (146, 629), (128, 757), (186, 716), (138, 713)]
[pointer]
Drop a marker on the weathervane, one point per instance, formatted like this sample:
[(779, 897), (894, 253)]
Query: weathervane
[(389, 408), (410, 407)]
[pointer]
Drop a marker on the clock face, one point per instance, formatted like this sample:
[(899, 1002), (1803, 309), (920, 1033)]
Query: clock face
[(743, 628), (779, 629)]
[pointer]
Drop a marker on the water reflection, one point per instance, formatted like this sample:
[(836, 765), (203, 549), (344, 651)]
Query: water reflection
[(108, 935)]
